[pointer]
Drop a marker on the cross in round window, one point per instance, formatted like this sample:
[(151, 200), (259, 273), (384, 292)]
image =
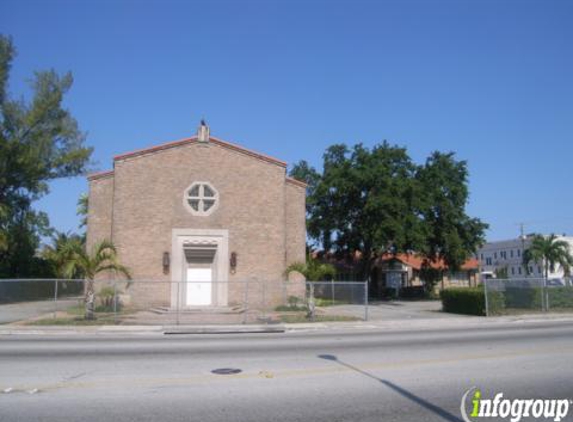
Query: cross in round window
[(201, 198)]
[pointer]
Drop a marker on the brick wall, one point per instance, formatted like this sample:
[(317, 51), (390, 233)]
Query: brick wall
[(100, 202)]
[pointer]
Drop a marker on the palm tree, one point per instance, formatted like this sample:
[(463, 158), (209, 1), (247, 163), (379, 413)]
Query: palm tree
[(313, 269), (102, 258), (82, 210), (64, 247), (550, 251)]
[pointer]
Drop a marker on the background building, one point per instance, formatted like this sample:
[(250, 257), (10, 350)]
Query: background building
[(504, 259)]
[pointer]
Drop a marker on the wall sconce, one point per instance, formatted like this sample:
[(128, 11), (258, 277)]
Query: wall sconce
[(165, 262), (233, 262)]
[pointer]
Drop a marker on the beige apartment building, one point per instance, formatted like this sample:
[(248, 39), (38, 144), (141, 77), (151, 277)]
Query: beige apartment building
[(202, 211)]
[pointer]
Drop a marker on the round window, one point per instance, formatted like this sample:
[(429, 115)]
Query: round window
[(201, 198)]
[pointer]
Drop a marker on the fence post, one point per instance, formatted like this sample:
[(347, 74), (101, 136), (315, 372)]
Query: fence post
[(485, 296), (55, 298), (366, 301), (545, 295), (332, 288), (311, 302), (177, 301)]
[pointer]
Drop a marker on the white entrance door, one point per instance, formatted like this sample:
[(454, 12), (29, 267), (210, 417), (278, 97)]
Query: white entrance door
[(199, 286)]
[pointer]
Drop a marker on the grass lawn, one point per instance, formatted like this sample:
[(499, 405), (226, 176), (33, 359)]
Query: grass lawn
[(73, 321), (74, 316)]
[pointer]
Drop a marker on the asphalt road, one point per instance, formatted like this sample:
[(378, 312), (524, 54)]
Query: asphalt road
[(368, 375)]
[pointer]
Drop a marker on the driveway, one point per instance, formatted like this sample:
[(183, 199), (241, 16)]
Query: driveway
[(394, 310), (13, 312)]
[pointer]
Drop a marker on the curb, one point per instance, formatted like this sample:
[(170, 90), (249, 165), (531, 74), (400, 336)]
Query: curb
[(225, 330)]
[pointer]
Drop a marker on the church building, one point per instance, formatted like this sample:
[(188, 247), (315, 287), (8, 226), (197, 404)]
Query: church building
[(201, 211)]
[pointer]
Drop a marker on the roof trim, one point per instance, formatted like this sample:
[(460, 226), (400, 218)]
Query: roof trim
[(100, 175), (416, 261), (296, 182), (193, 140)]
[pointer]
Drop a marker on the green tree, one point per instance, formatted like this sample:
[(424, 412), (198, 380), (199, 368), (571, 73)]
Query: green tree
[(450, 234), (378, 201), (366, 200), (102, 258), (549, 251), (39, 141), (64, 247), (306, 173)]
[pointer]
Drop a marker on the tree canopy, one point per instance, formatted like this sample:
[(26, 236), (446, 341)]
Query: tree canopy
[(378, 200), (39, 141)]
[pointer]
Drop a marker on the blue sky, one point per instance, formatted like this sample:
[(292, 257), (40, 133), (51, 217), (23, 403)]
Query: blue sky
[(490, 80)]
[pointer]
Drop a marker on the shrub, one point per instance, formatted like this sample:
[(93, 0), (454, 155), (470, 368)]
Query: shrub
[(463, 301), (386, 292), (560, 297), (531, 298), (496, 302), (106, 296), (413, 292), (471, 301), (293, 301), (523, 298)]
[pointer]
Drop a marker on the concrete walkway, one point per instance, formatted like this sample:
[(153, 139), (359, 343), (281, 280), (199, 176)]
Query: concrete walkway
[(393, 310), (423, 325)]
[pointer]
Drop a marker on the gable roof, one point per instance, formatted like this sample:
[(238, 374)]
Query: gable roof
[(416, 262), (193, 140)]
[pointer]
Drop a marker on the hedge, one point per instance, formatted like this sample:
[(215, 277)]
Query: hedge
[(471, 301), (530, 298), (560, 297)]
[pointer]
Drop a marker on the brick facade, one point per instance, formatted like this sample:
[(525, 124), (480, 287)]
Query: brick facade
[(141, 202)]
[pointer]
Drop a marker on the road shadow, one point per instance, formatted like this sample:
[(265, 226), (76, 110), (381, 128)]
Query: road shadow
[(396, 388)]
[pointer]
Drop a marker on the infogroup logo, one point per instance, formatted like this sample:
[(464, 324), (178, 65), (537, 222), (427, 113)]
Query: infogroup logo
[(512, 409)]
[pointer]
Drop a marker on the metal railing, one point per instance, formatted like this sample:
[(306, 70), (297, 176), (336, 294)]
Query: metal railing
[(153, 302), (527, 295)]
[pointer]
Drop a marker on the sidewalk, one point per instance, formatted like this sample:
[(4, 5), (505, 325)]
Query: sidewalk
[(428, 324)]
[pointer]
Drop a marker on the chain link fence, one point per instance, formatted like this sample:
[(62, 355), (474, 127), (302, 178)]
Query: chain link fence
[(527, 295), (146, 302)]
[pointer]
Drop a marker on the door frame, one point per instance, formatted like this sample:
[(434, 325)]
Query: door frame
[(197, 238)]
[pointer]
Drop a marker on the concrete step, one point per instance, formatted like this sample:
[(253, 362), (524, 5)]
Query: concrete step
[(224, 310)]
